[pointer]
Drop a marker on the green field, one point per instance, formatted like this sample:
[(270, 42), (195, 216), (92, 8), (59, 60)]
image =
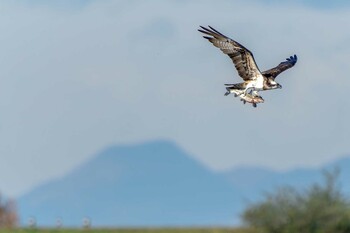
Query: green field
[(147, 230)]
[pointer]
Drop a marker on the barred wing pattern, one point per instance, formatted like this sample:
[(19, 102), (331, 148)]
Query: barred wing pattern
[(242, 58), (274, 72)]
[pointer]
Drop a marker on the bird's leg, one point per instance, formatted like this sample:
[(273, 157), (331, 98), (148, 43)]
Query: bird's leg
[(244, 92), (254, 93)]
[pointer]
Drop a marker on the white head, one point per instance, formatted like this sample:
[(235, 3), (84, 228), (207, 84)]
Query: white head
[(272, 84)]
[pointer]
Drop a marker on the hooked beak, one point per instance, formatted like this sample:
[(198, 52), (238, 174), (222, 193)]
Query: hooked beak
[(279, 86)]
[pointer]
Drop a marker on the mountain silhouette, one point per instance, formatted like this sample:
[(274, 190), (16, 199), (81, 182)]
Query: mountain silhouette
[(149, 184)]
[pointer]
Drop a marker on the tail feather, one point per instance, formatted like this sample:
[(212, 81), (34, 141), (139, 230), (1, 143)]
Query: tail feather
[(239, 86), (233, 88)]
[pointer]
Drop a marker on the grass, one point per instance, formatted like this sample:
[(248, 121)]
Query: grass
[(138, 230)]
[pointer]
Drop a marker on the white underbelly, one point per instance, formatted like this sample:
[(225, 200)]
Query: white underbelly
[(258, 84)]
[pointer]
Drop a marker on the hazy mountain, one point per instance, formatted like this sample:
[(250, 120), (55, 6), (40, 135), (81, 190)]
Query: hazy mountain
[(157, 184), (253, 182), (149, 184)]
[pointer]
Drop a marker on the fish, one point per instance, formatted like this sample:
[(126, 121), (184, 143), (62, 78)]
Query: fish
[(248, 98)]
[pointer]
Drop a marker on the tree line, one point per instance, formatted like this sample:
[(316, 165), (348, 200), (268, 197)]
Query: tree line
[(320, 208)]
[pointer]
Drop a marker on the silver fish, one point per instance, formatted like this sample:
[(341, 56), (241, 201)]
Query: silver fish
[(248, 98)]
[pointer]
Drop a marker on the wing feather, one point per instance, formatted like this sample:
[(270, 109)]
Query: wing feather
[(274, 72), (242, 58)]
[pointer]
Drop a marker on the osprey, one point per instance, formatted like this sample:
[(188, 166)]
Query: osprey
[(246, 66)]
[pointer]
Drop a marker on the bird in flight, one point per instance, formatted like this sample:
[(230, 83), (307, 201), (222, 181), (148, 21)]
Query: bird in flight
[(243, 59)]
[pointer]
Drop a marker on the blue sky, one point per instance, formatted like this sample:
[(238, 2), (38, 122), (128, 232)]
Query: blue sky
[(318, 4), (78, 78)]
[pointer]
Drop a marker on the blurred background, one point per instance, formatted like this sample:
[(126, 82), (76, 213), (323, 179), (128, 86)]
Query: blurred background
[(114, 111)]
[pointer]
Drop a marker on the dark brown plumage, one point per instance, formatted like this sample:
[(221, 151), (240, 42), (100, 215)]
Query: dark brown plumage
[(242, 58), (274, 72)]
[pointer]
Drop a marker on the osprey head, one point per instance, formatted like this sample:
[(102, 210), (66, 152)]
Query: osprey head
[(272, 84)]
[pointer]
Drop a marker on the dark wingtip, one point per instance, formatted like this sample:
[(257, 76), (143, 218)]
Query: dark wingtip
[(292, 59), (295, 59), (216, 31), (204, 28), (205, 31)]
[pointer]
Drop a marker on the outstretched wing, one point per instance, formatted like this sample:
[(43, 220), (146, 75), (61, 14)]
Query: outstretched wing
[(242, 58), (274, 72)]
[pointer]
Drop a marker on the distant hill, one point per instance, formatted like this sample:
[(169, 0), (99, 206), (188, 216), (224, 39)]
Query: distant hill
[(143, 185), (253, 182), (158, 184)]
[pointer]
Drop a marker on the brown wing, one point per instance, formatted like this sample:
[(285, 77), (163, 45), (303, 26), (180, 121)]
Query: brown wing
[(242, 58), (274, 72)]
